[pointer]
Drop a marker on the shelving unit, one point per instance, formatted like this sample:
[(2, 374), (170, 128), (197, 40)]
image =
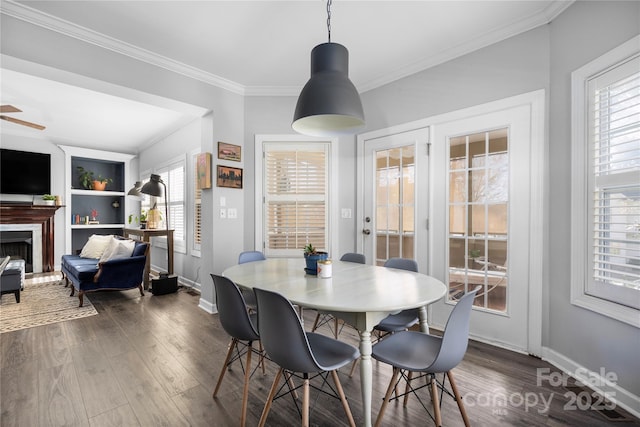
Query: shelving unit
[(80, 202)]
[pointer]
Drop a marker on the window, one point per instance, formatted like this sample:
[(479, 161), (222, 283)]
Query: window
[(296, 189), (478, 217), (173, 175), (606, 184)]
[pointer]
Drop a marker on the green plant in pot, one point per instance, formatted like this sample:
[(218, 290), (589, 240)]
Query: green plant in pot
[(49, 199), (85, 177), (143, 219), (312, 256), (100, 183)]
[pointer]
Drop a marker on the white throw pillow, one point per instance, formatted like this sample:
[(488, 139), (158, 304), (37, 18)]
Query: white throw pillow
[(95, 246), (117, 249)]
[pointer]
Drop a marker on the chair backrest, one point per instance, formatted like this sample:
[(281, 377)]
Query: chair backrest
[(232, 310), (250, 256), (354, 257), (456, 335), (402, 264), (281, 333)]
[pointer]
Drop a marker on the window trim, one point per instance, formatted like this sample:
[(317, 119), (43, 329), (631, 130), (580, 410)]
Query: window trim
[(333, 167), (580, 240)]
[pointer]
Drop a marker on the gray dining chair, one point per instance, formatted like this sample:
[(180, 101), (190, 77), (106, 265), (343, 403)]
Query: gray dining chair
[(300, 354), (240, 325), (250, 256), (411, 352), (406, 318), (323, 318)]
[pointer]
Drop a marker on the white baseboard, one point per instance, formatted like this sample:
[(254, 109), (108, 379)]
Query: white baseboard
[(595, 381), (207, 306)]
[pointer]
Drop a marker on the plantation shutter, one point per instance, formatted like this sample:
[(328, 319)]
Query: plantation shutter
[(296, 197), (614, 136), (197, 208), (173, 177)]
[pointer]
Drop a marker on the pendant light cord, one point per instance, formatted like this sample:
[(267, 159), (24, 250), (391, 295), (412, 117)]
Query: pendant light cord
[(329, 19)]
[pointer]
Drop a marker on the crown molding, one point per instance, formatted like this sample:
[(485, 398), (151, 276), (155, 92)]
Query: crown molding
[(36, 17), (494, 36), (44, 20)]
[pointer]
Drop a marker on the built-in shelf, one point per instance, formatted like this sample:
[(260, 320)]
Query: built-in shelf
[(80, 201), (86, 226)]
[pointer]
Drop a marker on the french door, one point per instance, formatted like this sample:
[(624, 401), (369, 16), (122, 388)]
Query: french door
[(461, 193)]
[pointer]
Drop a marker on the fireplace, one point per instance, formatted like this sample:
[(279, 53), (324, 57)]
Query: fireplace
[(18, 219), (18, 244)]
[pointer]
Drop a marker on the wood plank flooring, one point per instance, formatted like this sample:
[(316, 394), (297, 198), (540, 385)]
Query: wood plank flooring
[(154, 361)]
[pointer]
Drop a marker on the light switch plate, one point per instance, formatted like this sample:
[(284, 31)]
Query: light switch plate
[(346, 213), (232, 213), (223, 213), (223, 201)]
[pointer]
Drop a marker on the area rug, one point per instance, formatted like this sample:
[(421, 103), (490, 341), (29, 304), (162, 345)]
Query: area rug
[(44, 300)]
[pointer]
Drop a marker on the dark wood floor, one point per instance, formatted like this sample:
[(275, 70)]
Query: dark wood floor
[(154, 360)]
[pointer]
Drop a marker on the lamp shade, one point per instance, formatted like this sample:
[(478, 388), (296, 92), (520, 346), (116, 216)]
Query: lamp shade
[(329, 104), (153, 187), (135, 190)]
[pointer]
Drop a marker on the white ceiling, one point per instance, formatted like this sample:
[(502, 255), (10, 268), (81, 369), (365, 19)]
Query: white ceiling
[(248, 47)]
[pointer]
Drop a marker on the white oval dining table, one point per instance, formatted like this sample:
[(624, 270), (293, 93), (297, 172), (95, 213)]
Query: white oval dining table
[(360, 294)]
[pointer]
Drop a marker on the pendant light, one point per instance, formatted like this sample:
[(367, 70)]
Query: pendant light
[(329, 104)]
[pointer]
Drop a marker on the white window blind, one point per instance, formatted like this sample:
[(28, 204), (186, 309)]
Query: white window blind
[(174, 179), (296, 197), (614, 137)]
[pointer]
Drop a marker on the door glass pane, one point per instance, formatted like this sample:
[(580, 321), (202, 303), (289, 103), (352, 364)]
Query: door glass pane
[(395, 203), (478, 217)]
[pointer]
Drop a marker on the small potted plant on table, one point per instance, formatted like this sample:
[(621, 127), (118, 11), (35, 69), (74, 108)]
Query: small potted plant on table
[(312, 256)]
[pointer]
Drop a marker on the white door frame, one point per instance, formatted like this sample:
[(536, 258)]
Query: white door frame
[(537, 197)]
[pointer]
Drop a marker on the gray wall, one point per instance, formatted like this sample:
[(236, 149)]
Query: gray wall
[(582, 33)]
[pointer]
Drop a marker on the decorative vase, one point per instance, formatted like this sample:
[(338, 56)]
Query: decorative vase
[(312, 261)]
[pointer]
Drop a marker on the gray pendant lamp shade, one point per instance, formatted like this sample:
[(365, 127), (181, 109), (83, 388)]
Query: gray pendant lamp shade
[(135, 190), (329, 104)]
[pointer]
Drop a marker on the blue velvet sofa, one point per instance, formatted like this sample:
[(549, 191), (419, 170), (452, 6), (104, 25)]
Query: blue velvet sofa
[(88, 275)]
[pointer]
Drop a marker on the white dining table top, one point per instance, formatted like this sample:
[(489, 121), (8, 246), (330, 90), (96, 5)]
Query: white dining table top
[(352, 288)]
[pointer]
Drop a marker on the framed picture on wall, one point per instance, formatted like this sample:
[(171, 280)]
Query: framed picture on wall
[(229, 152), (203, 167), (229, 177)]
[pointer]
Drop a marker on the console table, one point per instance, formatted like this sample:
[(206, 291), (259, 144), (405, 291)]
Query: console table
[(145, 235)]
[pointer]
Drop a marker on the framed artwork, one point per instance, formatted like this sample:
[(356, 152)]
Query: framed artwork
[(203, 168), (229, 177), (229, 152)]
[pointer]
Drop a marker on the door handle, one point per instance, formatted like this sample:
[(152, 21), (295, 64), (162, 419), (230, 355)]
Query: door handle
[(366, 231)]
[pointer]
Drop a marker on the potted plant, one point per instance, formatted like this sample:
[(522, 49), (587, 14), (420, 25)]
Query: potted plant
[(49, 199), (100, 183), (312, 256), (85, 178), (143, 219)]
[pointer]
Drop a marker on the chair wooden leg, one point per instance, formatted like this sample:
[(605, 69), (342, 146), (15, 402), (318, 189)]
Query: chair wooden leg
[(343, 398), (81, 298), (305, 402), (315, 323), (272, 394), (435, 400), (353, 367), (454, 388), (232, 345), (292, 387), (406, 389), (262, 357), (245, 391), (387, 395), (335, 327)]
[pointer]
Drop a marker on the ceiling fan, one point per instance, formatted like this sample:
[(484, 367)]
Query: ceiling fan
[(12, 109)]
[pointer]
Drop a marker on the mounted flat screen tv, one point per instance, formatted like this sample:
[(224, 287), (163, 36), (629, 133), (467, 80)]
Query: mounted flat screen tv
[(23, 172)]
